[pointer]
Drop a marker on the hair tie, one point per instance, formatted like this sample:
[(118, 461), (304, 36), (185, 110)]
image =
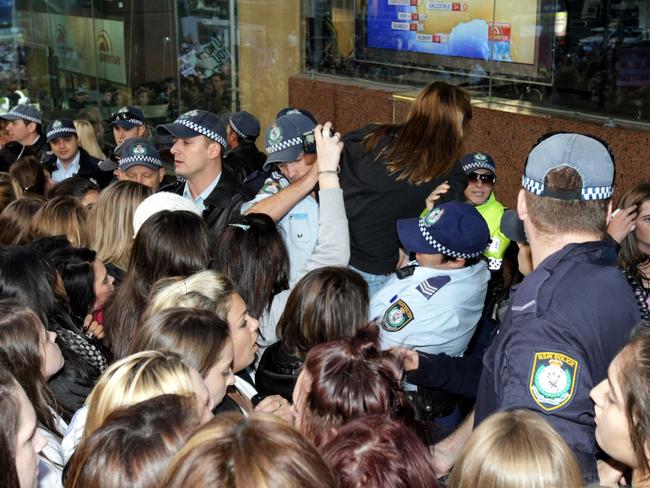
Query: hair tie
[(244, 227)]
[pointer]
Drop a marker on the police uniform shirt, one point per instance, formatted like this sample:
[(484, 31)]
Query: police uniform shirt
[(565, 323), (299, 226), (62, 173), (433, 310)]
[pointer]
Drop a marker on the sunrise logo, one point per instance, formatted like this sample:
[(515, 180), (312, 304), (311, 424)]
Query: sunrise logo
[(105, 48)]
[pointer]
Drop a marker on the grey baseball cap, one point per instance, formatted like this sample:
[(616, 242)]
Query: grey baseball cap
[(284, 139), (589, 156)]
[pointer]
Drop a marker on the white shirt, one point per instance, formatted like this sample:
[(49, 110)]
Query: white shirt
[(61, 173), (198, 201), (51, 460)]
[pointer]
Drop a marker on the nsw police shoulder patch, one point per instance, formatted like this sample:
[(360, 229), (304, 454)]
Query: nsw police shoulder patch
[(552, 380), (397, 316)]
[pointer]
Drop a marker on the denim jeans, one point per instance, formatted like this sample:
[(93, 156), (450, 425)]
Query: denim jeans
[(375, 282)]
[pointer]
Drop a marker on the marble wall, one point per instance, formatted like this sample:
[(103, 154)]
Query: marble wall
[(506, 136)]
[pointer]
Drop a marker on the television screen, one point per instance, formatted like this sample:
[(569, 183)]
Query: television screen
[(501, 36)]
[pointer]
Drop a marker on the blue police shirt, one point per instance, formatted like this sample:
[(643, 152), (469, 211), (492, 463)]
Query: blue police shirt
[(433, 310), (299, 226), (566, 322)]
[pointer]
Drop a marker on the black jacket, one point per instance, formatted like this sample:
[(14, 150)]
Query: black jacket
[(88, 168), (10, 152), (277, 372), (223, 203), (375, 200), (244, 160)]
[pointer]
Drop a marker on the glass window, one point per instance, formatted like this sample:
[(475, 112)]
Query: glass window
[(577, 56)]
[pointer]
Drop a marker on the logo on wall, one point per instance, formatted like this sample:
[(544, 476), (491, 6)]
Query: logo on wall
[(61, 41), (105, 48)]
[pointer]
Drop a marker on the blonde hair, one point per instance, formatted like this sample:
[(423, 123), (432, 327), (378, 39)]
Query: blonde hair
[(88, 139), (260, 450), (513, 449), (61, 216), (134, 379), (110, 221), (208, 290)]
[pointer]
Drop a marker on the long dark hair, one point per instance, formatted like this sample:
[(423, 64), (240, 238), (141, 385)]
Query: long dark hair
[(251, 252), (75, 265), (351, 378), (168, 244), (631, 257), (428, 144), (327, 304), (30, 175), (20, 354), (9, 426)]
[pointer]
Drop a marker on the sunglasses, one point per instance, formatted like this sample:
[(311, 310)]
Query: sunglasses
[(123, 116), (485, 179)]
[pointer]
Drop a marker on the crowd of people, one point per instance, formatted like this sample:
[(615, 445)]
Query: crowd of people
[(336, 311)]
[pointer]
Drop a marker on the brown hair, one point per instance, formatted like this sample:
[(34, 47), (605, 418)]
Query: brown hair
[(110, 221), (630, 256), (635, 389), (327, 304), (430, 141), (199, 336), (168, 244), (587, 216), (9, 426), (9, 190), (16, 221), (261, 451), (348, 379), (513, 449), (377, 451), (61, 216), (31, 177), (134, 444), (20, 340)]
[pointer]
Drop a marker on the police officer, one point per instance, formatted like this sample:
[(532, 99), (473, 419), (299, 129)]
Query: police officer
[(243, 158), (24, 128), (138, 160), (127, 123), (200, 141), (480, 169), (287, 195), (68, 158), (570, 316), (434, 304)]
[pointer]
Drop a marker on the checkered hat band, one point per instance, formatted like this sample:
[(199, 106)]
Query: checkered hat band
[(202, 130), (444, 250), (134, 121), (295, 141), (237, 131), (590, 193), (61, 130), (483, 165), (27, 117), (140, 159)]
